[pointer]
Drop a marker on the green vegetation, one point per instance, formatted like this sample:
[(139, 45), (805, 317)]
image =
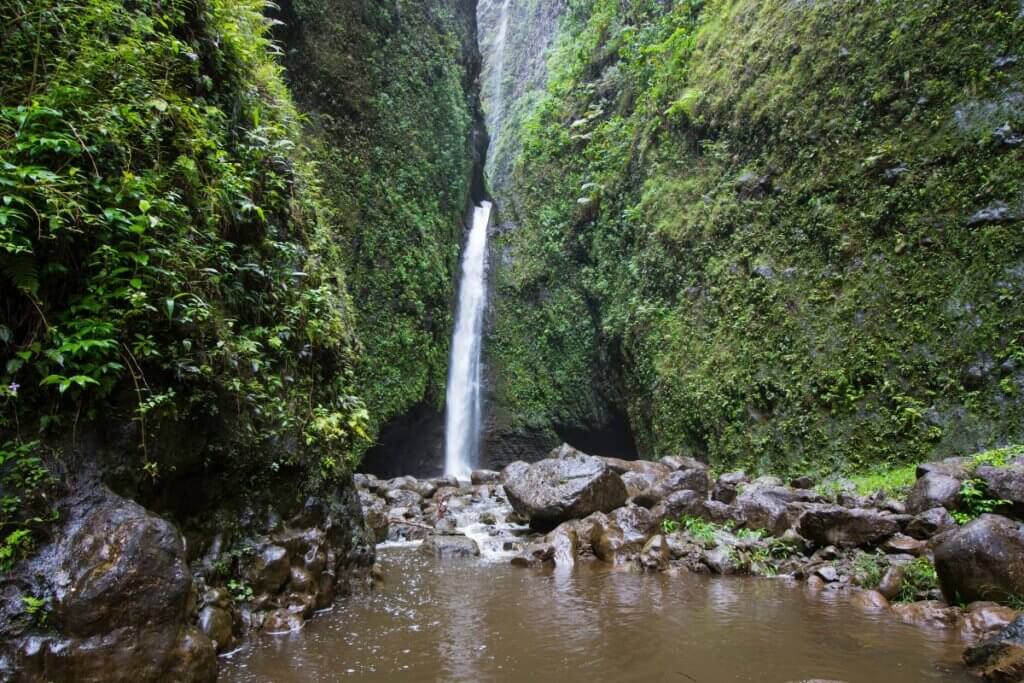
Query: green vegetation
[(165, 237), (25, 506), (919, 579), (975, 501), (757, 227), (392, 135), (869, 569)]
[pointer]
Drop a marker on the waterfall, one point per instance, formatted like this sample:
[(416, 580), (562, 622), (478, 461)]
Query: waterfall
[(462, 420)]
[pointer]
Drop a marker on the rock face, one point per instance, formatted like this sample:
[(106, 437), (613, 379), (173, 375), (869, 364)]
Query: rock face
[(999, 659), (846, 528), (771, 507), (984, 560), (121, 601), (930, 523), (555, 490)]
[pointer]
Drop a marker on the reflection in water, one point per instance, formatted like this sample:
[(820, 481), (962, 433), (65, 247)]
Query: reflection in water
[(476, 621)]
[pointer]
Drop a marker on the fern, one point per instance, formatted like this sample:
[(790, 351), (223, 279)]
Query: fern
[(21, 269)]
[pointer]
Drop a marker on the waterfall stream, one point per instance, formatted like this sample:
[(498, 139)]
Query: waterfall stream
[(462, 420)]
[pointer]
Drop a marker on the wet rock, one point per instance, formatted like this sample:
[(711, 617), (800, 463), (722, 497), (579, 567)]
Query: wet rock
[(931, 614), (620, 536), (683, 462), (958, 468), (445, 481), (720, 513), (450, 547), (403, 498), (636, 483), (984, 619), (653, 470), (1000, 658), (555, 490), (845, 528), (269, 570), (283, 621), (727, 487), (680, 504), (869, 600), (721, 561), (446, 526), (376, 515), (655, 554), (479, 477), (535, 555), (900, 544), (1005, 483), (365, 481), (565, 544), (1005, 136), (300, 580), (933, 490), (827, 573), (695, 480), (772, 508), (930, 523), (215, 622), (984, 560), (892, 582), (803, 483)]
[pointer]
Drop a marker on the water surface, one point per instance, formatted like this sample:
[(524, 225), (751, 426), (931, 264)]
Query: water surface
[(480, 621)]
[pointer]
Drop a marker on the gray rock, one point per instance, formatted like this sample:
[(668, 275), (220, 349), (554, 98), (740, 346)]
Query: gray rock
[(1005, 483), (999, 659), (772, 508), (958, 468), (555, 490), (215, 622), (450, 547), (984, 560), (933, 490), (994, 214), (845, 528), (930, 523), (479, 477), (695, 480)]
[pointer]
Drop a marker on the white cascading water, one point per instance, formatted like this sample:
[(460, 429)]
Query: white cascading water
[(462, 421)]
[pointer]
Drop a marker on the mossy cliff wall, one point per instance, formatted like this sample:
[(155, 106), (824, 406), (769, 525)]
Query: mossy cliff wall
[(784, 235)]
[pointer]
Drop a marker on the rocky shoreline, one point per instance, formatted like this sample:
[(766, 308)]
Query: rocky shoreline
[(920, 558)]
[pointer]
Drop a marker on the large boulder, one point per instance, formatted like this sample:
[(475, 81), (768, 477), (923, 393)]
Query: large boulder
[(620, 536), (845, 528), (957, 468), (680, 504), (1005, 483), (984, 560), (696, 480), (773, 508), (552, 491), (999, 659), (933, 490), (930, 523), (450, 547)]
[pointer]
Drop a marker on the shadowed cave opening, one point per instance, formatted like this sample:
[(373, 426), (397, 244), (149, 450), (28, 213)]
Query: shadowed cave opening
[(613, 439)]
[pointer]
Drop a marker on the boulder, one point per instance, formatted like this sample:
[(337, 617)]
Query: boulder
[(984, 619), (269, 569), (957, 468), (845, 528), (653, 470), (696, 480), (1005, 483), (565, 544), (449, 547), (892, 582), (636, 483), (930, 523), (683, 462), (680, 504), (869, 600), (927, 614), (403, 498), (215, 622), (933, 490), (655, 554), (480, 477), (555, 490), (376, 514), (772, 508), (904, 545), (726, 488), (620, 536), (1000, 658), (984, 560), (721, 560)]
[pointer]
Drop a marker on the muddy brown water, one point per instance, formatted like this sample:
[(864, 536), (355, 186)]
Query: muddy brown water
[(481, 621)]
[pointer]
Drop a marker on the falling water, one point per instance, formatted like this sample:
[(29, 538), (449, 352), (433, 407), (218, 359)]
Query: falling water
[(462, 426)]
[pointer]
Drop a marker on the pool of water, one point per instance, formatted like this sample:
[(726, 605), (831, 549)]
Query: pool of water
[(488, 621)]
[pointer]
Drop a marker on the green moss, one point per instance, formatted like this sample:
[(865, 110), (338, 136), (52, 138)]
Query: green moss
[(763, 210)]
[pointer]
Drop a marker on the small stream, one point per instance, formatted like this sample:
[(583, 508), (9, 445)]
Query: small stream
[(480, 620)]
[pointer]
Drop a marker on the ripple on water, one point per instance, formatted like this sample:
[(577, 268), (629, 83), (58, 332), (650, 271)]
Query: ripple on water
[(481, 621)]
